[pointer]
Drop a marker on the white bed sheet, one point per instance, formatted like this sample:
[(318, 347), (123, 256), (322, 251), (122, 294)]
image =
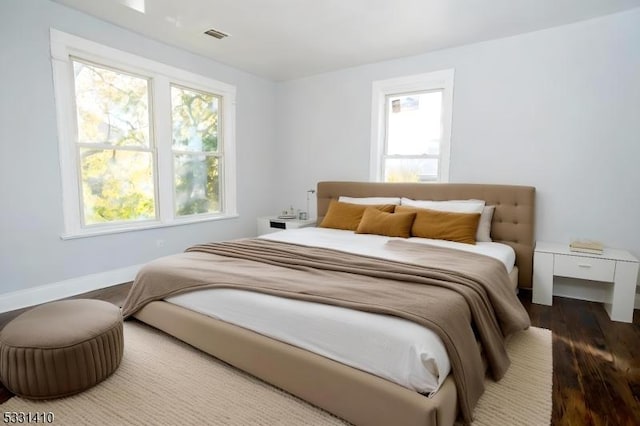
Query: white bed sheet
[(390, 347), (374, 245)]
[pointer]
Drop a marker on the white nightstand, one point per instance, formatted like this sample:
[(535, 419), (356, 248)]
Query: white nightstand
[(270, 224), (615, 266)]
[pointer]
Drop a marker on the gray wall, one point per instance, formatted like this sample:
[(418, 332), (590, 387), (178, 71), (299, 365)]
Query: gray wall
[(557, 109), (31, 251)]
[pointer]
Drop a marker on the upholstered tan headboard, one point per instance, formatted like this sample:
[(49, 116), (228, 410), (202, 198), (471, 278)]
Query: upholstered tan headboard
[(513, 220)]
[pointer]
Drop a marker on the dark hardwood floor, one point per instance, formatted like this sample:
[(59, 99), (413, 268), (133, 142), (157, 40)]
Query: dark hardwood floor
[(596, 362)]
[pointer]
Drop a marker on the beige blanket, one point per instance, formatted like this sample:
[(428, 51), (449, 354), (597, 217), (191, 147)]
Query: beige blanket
[(448, 291)]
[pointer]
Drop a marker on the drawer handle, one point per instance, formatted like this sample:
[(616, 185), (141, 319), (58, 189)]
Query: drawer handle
[(584, 265)]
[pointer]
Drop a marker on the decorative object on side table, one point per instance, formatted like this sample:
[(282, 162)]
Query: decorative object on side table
[(305, 216), (586, 246), (289, 213)]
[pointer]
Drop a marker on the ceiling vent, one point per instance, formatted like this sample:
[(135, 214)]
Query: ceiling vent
[(217, 34)]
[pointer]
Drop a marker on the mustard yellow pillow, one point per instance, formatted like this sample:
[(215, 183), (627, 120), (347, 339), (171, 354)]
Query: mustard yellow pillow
[(347, 216), (378, 222), (459, 227)]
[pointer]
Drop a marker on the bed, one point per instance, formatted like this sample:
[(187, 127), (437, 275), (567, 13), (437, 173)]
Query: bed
[(348, 392)]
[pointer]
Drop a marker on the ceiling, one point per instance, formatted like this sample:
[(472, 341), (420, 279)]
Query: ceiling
[(288, 39)]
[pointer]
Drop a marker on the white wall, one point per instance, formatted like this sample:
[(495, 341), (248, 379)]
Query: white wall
[(557, 109), (31, 251)]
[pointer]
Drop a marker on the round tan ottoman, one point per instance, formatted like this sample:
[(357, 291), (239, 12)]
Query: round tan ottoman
[(61, 348)]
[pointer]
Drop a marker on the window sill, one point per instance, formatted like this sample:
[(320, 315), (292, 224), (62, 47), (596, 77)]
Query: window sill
[(86, 233)]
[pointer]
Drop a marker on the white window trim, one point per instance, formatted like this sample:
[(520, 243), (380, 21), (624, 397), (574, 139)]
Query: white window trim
[(420, 82), (63, 47)]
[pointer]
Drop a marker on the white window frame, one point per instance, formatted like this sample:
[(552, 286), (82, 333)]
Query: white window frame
[(436, 80), (65, 47)]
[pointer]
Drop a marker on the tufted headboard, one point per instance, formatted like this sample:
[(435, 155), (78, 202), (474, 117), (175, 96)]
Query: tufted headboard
[(513, 219)]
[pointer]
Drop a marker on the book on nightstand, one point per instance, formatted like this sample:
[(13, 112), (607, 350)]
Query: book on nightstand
[(586, 246)]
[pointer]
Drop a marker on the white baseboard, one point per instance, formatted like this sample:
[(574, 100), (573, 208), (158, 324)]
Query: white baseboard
[(67, 288)]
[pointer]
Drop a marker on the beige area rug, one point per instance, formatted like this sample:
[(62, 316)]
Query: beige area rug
[(162, 381)]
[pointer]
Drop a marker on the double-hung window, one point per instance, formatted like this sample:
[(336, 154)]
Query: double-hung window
[(142, 144), (197, 159), (114, 147), (411, 128)]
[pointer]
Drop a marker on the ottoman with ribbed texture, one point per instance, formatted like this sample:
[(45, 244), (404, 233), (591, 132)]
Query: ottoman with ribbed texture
[(61, 348)]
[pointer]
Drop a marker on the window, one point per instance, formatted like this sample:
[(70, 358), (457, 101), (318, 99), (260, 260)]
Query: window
[(411, 128), (196, 157), (142, 144), (114, 150)]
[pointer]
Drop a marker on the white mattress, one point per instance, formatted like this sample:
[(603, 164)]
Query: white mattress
[(390, 347)]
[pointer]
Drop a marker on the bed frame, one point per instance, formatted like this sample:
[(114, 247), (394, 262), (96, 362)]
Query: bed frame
[(356, 396)]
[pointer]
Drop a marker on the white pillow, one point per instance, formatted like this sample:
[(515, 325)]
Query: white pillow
[(484, 226), (455, 206), (370, 201)]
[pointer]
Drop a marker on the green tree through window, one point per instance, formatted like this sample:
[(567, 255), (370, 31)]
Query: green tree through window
[(196, 150), (142, 144), (114, 148)]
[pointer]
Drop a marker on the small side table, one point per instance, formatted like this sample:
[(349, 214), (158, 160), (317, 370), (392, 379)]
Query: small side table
[(615, 266), (269, 224)]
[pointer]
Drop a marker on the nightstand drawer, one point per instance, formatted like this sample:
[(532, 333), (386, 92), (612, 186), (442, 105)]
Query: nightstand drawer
[(586, 268)]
